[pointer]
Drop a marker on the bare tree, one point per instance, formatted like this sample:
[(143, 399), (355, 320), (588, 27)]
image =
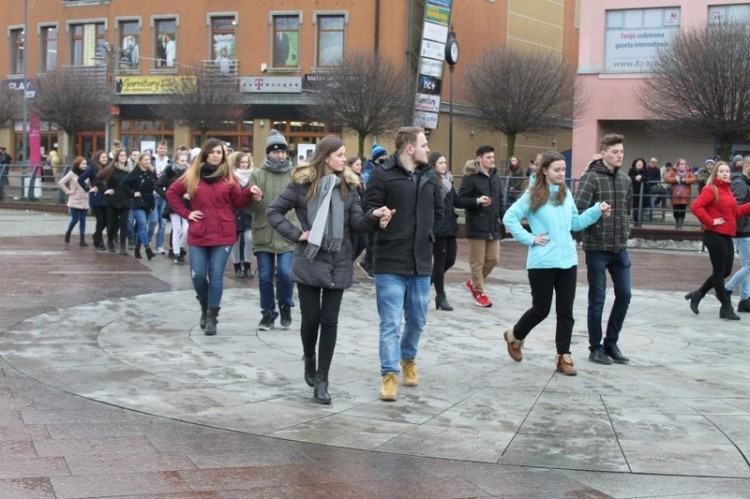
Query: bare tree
[(701, 85), (201, 99), (516, 92), (366, 93), (75, 98), (10, 105)]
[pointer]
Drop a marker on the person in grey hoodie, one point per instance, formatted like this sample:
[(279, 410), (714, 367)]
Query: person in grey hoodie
[(324, 196)]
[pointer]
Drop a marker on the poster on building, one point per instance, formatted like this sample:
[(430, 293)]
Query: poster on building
[(435, 30), (224, 52), (635, 50), (129, 52)]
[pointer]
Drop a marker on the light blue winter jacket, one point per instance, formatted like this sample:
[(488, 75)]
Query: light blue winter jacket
[(557, 221)]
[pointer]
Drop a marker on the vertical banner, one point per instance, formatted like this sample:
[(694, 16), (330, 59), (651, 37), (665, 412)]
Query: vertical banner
[(435, 27), (35, 140)]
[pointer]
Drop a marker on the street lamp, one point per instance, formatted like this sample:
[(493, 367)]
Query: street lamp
[(451, 57)]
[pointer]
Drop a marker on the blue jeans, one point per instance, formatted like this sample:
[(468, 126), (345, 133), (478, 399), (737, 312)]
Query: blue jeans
[(598, 263), (397, 296), (78, 216), (156, 219), (742, 276), (282, 264), (131, 227), (207, 265), (141, 227)]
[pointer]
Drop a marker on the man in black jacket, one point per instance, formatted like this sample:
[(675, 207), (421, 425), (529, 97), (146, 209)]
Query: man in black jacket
[(403, 253), (483, 196)]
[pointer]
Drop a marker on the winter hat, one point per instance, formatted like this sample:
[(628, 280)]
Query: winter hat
[(377, 152), (736, 158), (276, 142), (194, 153), (710, 161)]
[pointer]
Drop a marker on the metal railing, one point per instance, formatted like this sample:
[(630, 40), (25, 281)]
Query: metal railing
[(32, 183)]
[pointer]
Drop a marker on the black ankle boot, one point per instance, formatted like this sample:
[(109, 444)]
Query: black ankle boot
[(247, 270), (320, 391), (204, 314), (238, 270), (67, 237), (111, 246), (441, 302), (727, 312), (211, 320), (137, 253), (83, 242), (149, 253), (695, 298), (309, 369)]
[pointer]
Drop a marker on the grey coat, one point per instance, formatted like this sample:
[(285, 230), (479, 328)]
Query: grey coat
[(327, 270)]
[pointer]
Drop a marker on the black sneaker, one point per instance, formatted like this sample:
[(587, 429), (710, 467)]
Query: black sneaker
[(598, 356), (266, 322), (286, 317), (616, 355)]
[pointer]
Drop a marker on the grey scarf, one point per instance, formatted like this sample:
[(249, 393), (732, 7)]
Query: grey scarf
[(277, 166), (327, 231), (446, 184)]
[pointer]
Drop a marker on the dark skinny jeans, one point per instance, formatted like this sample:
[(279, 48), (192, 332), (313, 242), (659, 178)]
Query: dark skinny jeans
[(443, 258), (319, 314), (721, 252), (543, 282)]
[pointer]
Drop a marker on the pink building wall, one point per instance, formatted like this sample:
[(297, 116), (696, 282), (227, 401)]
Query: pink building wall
[(612, 97)]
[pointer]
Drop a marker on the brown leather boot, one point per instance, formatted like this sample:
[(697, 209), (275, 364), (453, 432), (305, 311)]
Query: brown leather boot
[(565, 364), (514, 345)]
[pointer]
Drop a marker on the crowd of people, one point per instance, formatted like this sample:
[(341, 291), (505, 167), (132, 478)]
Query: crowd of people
[(395, 216)]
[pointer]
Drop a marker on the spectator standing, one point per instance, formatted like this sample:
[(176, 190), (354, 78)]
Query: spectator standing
[(445, 248), (741, 190), (516, 180), (403, 254), (606, 247), (641, 189), (273, 253), (359, 241), (482, 196), (552, 261), (704, 172), (718, 211), (656, 190), (180, 225), (78, 200), (323, 194), (737, 163), (91, 183), (213, 191), (681, 179), (378, 156)]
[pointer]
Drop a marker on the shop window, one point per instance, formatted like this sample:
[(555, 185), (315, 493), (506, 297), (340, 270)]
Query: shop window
[(144, 134), (165, 43), (17, 51), (330, 39), (130, 47), (49, 48), (285, 41), (237, 134)]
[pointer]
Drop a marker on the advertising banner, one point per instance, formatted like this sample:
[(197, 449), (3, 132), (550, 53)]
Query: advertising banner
[(147, 85), (271, 84), (635, 50)]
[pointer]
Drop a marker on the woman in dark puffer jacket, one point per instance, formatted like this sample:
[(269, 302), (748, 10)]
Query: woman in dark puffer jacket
[(324, 197)]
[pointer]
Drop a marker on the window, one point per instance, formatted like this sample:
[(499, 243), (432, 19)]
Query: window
[(330, 41), (130, 47), (49, 48), (728, 13), (17, 49), (85, 39), (222, 38), (285, 41), (634, 36), (134, 132), (166, 43), (237, 133)]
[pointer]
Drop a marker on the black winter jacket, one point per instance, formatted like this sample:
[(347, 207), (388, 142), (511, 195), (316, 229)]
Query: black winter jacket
[(405, 246), (482, 222), (327, 270), (741, 190), (449, 225), (168, 177), (117, 200), (141, 181)]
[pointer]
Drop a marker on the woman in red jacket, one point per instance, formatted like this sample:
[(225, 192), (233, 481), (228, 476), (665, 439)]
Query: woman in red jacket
[(717, 209), (213, 191)]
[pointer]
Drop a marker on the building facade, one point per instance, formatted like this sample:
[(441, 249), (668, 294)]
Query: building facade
[(618, 40), (273, 49)]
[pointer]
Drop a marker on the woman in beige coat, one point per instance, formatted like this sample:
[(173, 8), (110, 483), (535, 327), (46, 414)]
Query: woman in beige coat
[(78, 199)]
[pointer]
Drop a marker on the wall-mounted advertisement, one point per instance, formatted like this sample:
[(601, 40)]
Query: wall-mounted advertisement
[(635, 50)]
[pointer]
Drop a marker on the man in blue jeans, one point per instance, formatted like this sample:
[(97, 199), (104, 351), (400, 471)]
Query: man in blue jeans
[(402, 262), (606, 246)]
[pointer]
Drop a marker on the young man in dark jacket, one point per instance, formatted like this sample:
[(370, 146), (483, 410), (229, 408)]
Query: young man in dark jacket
[(606, 246), (482, 195), (741, 278), (403, 253)]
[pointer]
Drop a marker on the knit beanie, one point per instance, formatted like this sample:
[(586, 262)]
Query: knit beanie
[(736, 158), (276, 142), (377, 152)]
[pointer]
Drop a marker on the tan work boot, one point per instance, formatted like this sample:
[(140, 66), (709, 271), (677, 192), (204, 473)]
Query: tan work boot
[(514, 345), (409, 372), (389, 387), (565, 364)]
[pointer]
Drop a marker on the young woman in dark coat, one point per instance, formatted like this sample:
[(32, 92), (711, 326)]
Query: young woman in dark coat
[(118, 204), (445, 248), (324, 197), (138, 186)]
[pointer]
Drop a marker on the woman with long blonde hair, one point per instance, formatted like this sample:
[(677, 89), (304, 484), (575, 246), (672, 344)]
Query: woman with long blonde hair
[(213, 191), (138, 186)]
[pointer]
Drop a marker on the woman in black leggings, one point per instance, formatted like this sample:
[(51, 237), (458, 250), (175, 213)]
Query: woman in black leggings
[(444, 248), (718, 211)]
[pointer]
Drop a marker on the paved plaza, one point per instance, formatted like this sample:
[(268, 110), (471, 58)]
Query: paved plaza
[(111, 389)]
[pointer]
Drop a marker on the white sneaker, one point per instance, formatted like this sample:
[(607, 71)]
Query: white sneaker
[(161, 250)]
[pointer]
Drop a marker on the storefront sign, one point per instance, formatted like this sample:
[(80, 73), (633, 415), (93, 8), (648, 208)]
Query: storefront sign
[(271, 84), (148, 85)]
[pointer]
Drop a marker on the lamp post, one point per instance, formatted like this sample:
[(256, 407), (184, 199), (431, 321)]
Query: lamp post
[(451, 57), (25, 143)]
